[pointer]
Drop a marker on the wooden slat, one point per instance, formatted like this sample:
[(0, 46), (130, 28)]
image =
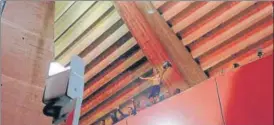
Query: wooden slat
[(228, 14), (111, 90), (196, 15), (174, 10), (70, 16), (113, 73), (61, 7), (237, 45), (110, 40), (230, 31), (90, 37), (107, 108), (245, 58), (108, 60), (90, 17), (158, 4)]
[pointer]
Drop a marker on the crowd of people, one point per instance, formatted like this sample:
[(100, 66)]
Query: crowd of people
[(154, 95)]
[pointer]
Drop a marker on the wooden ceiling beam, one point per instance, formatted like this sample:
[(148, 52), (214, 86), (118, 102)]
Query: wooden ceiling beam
[(176, 51), (110, 40), (233, 47), (225, 15), (196, 16), (92, 87), (61, 7), (115, 102), (90, 37), (234, 27), (176, 9), (82, 25), (70, 16), (158, 4), (109, 59), (245, 58), (111, 90)]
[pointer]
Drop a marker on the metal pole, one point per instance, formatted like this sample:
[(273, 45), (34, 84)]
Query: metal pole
[(3, 3)]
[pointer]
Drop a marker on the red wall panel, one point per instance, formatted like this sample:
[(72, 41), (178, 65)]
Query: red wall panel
[(247, 94), (195, 106)]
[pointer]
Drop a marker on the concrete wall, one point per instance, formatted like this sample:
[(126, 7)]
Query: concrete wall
[(26, 50)]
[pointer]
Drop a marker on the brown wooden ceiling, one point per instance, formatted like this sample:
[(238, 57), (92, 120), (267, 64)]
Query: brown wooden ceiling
[(218, 34)]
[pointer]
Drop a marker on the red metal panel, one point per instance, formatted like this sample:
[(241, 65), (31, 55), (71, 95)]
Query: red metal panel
[(247, 94), (196, 106)]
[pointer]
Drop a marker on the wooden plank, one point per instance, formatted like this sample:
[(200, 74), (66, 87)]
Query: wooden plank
[(245, 58), (196, 15), (158, 4), (108, 60), (237, 45), (183, 61), (69, 17), (107, 108), (230, 31), (228, 14), (90, 17), (176, 9), (61, 7), (90, 37), (113, 73), (146, 38), (111, 90), (110, 40)]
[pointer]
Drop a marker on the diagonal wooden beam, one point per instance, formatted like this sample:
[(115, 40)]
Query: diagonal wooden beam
[(176, 9), (245, 58), (158, 4), (190, 71), (155, 51), (111, 58), (61, 7), (196, 15), (219, 19), (90, 37), (244, 41), (115, 102), (82, 25), (111, 90), (70, 16), (231, 29), (110, 40), (113, 73)]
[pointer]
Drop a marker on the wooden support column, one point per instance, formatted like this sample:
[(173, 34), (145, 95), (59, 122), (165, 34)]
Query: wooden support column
[(159, 43)]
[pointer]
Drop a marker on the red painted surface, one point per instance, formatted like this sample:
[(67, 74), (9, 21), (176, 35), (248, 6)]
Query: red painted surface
[(246, 97), (195, 106), (247, 94)]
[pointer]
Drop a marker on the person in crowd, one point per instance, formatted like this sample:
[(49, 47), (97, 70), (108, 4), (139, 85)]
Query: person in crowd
[(177, 91), (156, 81), (103, 122)]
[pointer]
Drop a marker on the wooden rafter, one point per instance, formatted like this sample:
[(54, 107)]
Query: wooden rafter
[(113, 73), (115, 102), (111, 90), (108, 60), (82, 25), (176, 9), (68, 18), (235, 46), (196, 15), (230, 30), (61, 8), (218, 20), (90, 37)]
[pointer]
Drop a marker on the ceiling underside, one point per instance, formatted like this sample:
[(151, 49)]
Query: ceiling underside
[(218, 34)]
